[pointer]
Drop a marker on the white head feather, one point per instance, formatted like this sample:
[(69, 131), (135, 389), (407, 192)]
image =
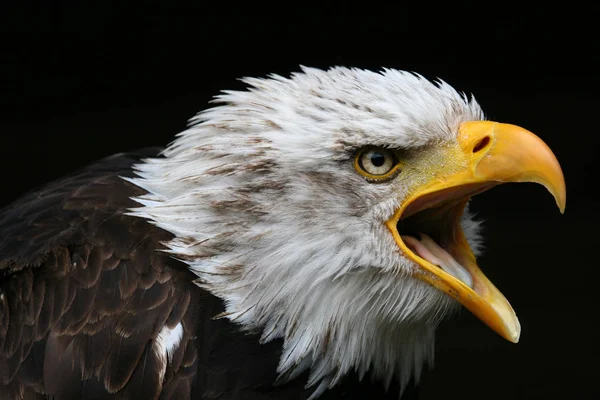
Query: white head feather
[(267, 209)]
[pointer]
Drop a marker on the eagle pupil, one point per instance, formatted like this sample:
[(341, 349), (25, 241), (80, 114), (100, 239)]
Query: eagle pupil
[(377, 159)]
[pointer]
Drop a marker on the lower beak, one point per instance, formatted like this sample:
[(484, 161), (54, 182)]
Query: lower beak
[(485, 154)]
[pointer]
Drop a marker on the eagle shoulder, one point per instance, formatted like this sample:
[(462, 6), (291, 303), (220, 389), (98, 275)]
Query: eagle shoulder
[(87, 303)]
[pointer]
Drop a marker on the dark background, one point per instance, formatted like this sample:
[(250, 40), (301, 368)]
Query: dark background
[(79, 82)]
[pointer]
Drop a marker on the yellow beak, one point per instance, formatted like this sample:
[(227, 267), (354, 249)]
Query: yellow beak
[(485, 154)]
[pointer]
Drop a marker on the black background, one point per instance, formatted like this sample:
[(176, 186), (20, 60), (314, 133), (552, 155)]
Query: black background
[(79, 82)]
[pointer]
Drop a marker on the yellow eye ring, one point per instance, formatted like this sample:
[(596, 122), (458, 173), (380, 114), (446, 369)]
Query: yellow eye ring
[(376, 163)]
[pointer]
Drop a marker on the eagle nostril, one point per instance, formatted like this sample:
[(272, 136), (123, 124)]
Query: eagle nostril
[(481, 144)]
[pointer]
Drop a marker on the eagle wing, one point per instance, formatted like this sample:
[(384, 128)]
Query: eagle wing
[(87, 303)]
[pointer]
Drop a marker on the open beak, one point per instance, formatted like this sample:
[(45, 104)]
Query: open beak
[(427, 229)]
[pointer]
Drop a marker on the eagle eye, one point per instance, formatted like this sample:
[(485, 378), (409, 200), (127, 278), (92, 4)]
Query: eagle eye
[(376, 163)]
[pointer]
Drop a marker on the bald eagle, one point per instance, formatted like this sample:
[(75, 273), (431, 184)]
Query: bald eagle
[(301, 239)]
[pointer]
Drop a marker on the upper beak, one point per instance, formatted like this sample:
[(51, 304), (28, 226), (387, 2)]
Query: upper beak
[(486, 154)]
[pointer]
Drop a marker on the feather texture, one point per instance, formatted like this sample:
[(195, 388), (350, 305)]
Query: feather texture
[(83, 305)]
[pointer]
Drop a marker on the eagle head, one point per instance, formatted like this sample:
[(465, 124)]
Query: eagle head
[(330, 209)]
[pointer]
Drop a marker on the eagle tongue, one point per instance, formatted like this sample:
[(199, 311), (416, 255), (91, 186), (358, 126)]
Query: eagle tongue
[(429, 250)]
